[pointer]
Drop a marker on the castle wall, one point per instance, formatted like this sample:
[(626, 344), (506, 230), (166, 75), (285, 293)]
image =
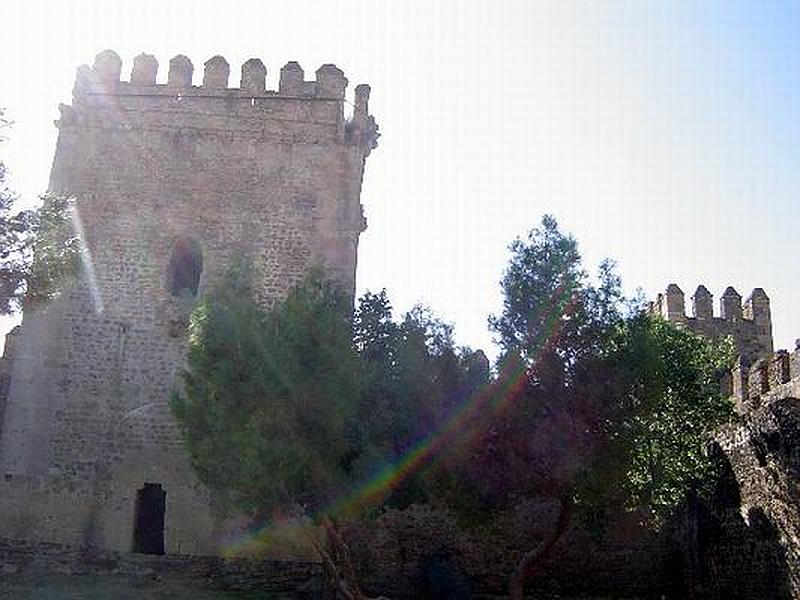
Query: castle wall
[(762, 449), (275, 176), (744, 541)]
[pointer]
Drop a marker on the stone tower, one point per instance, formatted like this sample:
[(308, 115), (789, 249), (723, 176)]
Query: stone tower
[(171, 181), (748, 324)]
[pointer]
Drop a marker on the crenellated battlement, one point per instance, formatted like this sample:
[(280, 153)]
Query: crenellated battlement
[(104, 77), (769, 378), (102, 98), (749, 323)]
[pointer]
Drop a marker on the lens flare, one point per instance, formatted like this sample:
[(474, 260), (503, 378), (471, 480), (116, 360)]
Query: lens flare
[(86, 260), (110, 100)]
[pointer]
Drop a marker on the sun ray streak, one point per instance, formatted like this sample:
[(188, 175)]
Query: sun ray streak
[(86, 260)]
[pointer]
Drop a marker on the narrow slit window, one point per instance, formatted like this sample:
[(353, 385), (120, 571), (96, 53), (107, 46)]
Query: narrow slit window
[(185, 268)]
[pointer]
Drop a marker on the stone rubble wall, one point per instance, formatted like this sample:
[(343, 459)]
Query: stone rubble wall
[(272, 579), (764, 453), (413, 552), (770, 378)]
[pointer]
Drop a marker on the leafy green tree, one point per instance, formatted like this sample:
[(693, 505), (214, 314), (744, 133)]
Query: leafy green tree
[(542, 277), (601, 410), (268, 395), (55, 257), (554, 320), (295, 406), (13, 232), (414, 381), (661, 397), (594, 408), (553, 314)]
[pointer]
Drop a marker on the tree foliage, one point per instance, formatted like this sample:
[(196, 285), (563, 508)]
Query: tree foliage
[(14, 230), (661, 398), (553, 313), (595, 405), (542, 278), (297, 405), (414, 380), (606, 405), (268, 394), (555, 319), (604, 409)]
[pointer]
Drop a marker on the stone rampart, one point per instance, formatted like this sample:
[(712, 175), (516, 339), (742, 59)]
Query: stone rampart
[(762, 449), (744, 541), (421, 552), (769, 378)]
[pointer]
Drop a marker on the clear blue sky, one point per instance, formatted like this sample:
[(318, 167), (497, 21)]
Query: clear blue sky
[(663, 135)]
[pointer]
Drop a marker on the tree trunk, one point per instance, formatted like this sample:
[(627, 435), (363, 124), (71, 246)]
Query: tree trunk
[(531, 559)]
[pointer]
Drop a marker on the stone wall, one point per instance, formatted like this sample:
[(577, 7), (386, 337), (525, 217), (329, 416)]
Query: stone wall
[(727, 550), (6, 365), (770, 378), (763, 449), (421, 552), (744, 541), (156, 169), (20, 560)]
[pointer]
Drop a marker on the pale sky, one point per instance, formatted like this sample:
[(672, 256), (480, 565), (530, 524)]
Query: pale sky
[(665, 136)]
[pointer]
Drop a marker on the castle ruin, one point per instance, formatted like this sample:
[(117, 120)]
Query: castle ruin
[(171, 182), (754, 530), (763, 450)]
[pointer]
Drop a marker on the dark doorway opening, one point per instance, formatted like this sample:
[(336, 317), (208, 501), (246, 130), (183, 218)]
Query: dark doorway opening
[(148, 526)]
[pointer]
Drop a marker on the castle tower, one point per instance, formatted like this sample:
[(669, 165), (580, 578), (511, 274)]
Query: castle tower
[(749, 325), (171, 182)]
